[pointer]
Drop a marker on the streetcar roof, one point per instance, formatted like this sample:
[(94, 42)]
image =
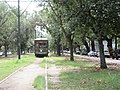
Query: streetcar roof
[(41, 39)]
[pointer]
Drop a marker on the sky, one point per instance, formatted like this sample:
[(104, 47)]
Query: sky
[(31, 6)]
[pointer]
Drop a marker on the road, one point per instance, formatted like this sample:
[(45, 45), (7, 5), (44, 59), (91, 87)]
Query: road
[(108, 60)]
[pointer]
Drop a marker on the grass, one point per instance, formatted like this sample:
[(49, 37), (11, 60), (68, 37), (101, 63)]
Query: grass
[(63, 61), (86, 76), (56, 58), (43, 64), (82, 74), (50, 61), (90, 80), (8, 66), (73, 64), (39, 83)]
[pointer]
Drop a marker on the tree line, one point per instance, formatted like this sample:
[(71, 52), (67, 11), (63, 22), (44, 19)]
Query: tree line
[(80, 21), (9, 29)]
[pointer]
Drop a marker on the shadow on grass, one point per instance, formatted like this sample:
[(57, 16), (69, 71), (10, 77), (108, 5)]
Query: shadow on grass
[(89, 78), (83, 74)]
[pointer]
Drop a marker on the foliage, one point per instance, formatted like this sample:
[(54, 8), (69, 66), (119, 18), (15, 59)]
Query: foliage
[(96, 16), (84, 20), (8, 28)]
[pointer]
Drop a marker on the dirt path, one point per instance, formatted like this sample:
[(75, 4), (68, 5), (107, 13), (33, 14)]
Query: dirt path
[(24, 78)]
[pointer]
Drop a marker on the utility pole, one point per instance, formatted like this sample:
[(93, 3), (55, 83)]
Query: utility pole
[(19, 46)]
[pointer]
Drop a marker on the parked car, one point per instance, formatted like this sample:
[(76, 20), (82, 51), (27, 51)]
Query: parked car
[(64, 51), (84, 52), (68, 52), (8, 53), (1, 53), (93, 53), (116, 54), (77, 52), (106, 53)]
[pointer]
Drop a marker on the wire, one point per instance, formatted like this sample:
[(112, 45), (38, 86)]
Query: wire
[(24, 9), (17, 1), (27, 7), (11, 8)]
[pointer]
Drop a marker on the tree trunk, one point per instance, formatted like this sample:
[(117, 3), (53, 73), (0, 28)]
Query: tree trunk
[(109, 45), (62, 49), (92, 45), (24, 50), (71, 50), (5, 49), (86, 44), (58, 50), (102, 57), (55, 47), (58, 46), (115, 42), (21, 50)]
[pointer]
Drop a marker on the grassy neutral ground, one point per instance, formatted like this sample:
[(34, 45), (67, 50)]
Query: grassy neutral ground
[(51, 60), (83, 74), (90, 79), (9, 65)]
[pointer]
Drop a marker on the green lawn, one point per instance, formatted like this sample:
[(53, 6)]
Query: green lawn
[(7, 66), (90, 80), (39, 83), (82, 75)]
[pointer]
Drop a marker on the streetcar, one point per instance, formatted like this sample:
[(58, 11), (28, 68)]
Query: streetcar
[(41, 47)]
